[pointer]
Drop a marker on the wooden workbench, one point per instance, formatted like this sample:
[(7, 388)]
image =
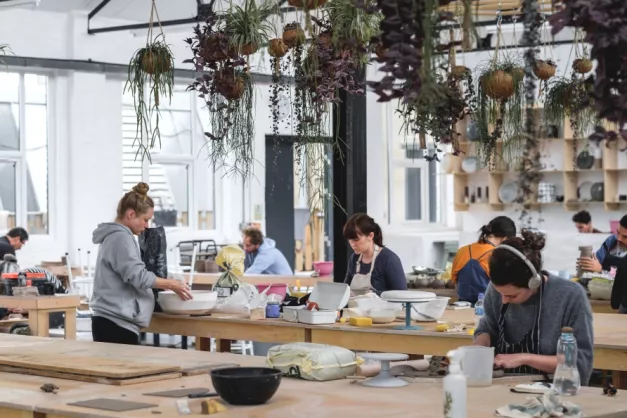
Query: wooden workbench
[(207, 279), (21, 397), (610, 348), (39, 309)]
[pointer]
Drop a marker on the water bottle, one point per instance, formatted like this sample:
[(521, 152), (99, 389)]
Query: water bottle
[(566, 381), (479, 311)]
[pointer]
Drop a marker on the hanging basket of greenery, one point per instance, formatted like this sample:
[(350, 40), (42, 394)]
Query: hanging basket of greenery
[(307, 4), (152, 68), (293, 35), (544, 69), (247, 26), (498, 84), (277, 48), (4, 49), (582, 65)]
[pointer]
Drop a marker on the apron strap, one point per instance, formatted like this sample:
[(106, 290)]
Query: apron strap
[(374, 255)]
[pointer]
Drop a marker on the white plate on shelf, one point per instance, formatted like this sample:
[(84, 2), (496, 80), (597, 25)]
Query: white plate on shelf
[(470, 164), (585, 191), (508, 192)]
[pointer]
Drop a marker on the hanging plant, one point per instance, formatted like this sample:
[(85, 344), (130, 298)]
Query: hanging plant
[(582, 65), (247, 27), (293, 35), (226, 86), (544, 69), (151, 67), (4, 49), (604, 23)]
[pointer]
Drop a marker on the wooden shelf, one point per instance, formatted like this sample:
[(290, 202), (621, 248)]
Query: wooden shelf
[(570, 175)]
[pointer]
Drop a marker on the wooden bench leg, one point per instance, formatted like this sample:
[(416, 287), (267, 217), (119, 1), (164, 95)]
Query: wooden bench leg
[(619, 379), (39, 323), (70, 324), (203, 344)]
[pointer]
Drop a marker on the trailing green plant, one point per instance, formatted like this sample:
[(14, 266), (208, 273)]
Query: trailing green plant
[(150, 79), (571, 98), (4, 49), (247, 27)]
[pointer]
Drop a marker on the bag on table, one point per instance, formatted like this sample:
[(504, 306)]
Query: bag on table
[(234, 296)]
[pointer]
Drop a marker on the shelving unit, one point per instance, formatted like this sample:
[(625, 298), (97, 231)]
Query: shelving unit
[(571, 177)]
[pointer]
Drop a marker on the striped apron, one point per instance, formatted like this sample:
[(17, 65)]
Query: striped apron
[(530, 343)]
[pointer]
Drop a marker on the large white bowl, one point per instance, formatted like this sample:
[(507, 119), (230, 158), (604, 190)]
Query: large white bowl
[(428, 312), (203, 301)]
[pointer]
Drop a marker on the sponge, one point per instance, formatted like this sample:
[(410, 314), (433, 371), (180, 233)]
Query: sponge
[(361, 322), (211, 406)]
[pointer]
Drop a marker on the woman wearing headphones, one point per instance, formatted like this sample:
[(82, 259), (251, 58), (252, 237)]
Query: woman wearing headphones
[(526, 308)]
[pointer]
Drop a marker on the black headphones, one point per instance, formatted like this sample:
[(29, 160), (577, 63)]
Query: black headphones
[(536, 279)]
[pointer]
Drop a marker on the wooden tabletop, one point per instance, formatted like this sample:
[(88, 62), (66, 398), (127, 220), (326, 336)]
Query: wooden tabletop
[(60, 301), (304, 281), (21, 396)]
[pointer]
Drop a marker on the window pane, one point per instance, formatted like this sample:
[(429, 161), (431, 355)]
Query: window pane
[(413, 197), (10, 90), (8, 195), (176, 132), (434, 204), (37, 168), (9, 127), (169, 189), (36, 88)]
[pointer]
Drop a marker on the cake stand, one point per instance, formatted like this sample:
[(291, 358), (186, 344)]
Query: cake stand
[(385, 379), (408, 307)]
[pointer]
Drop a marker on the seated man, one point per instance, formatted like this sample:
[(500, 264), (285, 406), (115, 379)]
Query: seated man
[(12, 241), (583, 223), (262, 257), (611, 252)]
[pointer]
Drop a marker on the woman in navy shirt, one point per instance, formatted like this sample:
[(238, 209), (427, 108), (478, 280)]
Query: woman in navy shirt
[(372, 267)]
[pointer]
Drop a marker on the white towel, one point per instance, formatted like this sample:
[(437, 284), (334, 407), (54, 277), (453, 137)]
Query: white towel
[(545, 406)]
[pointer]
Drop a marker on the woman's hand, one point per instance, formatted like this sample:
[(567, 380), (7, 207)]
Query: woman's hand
[(181, 288), (590, 264), (510, 361)]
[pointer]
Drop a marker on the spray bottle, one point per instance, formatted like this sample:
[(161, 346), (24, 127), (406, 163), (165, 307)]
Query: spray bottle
[(455, 392)]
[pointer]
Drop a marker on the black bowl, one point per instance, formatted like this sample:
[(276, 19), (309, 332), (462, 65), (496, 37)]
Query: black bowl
[(246, 385)]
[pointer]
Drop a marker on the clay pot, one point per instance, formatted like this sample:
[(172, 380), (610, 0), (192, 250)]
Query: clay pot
[(544, 69), (325, 39), (277, 48), (293, 35), (153, 63), (422, 282), (216, 48), (582, 65), (498, 84), (459, 71), (249, 48), (231, 86), (307, 4), (450, 284), (438, 284)]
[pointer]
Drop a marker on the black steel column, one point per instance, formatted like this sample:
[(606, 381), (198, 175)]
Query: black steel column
[(349, 173)]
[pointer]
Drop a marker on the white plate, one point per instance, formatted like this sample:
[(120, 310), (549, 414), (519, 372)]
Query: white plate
[(470, 164), (585, 191), (508, 192)]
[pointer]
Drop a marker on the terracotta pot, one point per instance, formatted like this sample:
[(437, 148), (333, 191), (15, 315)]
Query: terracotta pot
[(153, 63), (582, 65), (325, 39), (216, 48), (231, 86), (459, 71), (307, 4), (544, 69), (293, 35), (380, 51), (249, 49), (498, 84), (277, 48)]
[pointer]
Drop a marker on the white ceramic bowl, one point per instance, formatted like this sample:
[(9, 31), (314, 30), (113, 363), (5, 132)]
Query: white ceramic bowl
[(430, 311), (383, 316), (203, 301)]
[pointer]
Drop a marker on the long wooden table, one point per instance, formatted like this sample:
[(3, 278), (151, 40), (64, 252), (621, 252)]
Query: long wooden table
[(210, 279), (21, 396), (39, 309), (610, 348)]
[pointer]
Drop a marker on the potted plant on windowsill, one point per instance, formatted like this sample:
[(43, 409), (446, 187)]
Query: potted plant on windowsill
[(247, 27)]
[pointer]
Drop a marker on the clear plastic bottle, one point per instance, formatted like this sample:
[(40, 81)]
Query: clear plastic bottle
[(566, 381), (479, 311)]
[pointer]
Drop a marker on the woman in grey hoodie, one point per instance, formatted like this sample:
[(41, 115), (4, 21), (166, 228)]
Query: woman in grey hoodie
[(123, 301)]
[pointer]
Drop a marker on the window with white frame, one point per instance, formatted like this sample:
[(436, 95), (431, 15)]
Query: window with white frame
[(416, 185), (24, 145), (181, 182)]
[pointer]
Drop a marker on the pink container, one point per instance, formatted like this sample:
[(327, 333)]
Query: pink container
[(275, 288), (323, 268), (614, 226)]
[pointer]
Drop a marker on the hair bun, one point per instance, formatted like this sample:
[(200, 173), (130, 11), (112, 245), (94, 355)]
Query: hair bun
[(141, 189), (533, 240)]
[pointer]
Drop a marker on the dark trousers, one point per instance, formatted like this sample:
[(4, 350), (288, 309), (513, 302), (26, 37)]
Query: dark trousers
[(104, 330)]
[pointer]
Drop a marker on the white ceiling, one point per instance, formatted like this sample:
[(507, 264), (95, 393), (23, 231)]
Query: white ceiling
[(132, 10)]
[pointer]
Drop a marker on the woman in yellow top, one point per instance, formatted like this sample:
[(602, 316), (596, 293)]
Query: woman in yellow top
[(470, 270)]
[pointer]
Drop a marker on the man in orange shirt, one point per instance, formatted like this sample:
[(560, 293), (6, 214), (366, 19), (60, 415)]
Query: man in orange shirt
[(470, 271)]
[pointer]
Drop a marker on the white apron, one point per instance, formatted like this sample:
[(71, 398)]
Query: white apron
[(361, 284)]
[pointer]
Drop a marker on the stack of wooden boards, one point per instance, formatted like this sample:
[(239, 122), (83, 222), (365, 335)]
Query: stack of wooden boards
[(110, 364)]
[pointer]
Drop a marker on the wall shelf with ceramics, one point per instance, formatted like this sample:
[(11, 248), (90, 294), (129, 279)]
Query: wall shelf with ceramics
[(592, 176)]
